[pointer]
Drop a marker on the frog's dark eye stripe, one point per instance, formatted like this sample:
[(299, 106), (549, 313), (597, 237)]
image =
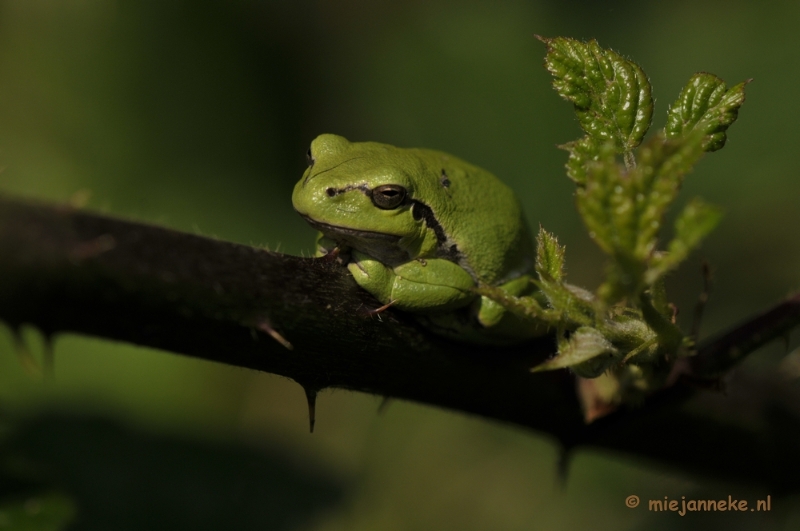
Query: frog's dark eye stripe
[(331, 192), (388, 196)]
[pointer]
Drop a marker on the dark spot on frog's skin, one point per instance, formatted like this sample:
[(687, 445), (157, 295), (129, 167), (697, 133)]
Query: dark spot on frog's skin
[(444, 180)]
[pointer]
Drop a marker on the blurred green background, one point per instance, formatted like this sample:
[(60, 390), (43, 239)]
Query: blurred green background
[(197, 115)]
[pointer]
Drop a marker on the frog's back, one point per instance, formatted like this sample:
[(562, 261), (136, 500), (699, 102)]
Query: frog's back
[(480, 213)]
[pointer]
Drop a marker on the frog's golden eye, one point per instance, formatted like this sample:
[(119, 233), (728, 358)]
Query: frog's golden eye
[(310, 158), (388, 196)]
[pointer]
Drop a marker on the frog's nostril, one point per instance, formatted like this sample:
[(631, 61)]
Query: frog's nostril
[(331, 192)]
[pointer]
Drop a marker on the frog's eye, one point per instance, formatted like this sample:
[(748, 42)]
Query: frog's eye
[(310, 158), (388, 196)]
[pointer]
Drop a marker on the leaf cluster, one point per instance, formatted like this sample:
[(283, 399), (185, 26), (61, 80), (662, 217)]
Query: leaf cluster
[(626, 331)]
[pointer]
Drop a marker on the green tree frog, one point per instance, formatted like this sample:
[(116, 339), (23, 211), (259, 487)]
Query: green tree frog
[(420, 229)]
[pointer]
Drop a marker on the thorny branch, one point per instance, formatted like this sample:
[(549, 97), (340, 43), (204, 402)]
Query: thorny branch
[(65, 270)]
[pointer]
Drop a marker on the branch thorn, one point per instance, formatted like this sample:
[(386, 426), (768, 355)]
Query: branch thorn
[(311, 396), (265, 326)]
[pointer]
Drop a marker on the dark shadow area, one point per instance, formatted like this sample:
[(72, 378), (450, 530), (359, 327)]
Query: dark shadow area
[(120, 478)]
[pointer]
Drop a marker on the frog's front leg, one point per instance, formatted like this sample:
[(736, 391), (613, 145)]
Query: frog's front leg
[(419, 286)]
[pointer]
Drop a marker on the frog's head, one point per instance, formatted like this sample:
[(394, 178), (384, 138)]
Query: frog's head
[(366, 196)]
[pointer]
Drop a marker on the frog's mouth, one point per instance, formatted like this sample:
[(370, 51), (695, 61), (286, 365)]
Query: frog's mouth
[(383, 247)]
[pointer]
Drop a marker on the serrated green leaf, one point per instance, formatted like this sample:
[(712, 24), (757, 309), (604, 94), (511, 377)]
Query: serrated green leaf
[(549, 257), (569, 304), (662, 166), (581, 153), (623, 209), (706, 105), (587, 352), (693, 224), (611, 95), (595, 200)]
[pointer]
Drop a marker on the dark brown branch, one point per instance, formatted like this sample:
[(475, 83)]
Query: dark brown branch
[(719, 354), (71, 271)]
